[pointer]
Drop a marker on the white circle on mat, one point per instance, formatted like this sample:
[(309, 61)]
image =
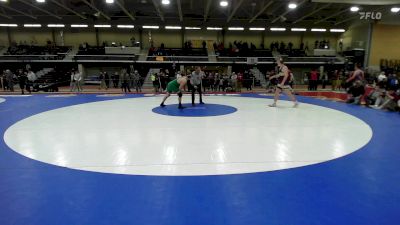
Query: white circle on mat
[(2, 100), (125, 137)]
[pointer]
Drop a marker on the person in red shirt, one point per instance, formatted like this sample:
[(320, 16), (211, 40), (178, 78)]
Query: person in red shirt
[(314, 80)]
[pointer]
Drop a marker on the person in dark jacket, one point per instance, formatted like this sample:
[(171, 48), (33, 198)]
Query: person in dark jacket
[(356, 92), (22, 80), (107, 79)]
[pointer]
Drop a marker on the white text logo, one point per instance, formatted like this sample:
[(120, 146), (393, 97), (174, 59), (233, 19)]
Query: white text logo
[(370, 15)]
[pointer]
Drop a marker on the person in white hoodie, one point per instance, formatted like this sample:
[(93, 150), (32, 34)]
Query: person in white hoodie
[(31, 80), (382, 79)]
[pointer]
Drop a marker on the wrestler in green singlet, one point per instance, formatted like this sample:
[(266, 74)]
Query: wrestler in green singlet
[(176, 86)]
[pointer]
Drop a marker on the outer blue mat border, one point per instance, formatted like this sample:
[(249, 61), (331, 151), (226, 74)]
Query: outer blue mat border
[(360, 188)]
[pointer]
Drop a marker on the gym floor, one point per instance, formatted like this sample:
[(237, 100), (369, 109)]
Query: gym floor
[(122, 159)]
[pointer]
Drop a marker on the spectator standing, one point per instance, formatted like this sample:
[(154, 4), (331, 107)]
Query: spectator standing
[(10, 80), (211, 81), (31, 80), (336, 81), (106, 79), (137, 82), (247, 80), (239, 81), (77, 81), (102, 81), (314, 80), (234, 79), (22, 80), (221, 83), (154, 79), (116, 80), (3, 80), (324, 79), (72, 80), (125, 81)]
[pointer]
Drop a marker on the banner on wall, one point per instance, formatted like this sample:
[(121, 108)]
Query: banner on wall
[(252, 60), (229, 71)]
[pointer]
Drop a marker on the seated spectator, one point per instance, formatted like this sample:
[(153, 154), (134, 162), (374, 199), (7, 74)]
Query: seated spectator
[(381, 80), (374, 97), (356, 92), (390, 101), (392, 82)]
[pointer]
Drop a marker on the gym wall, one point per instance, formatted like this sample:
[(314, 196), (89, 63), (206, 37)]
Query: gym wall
[(385, 44)]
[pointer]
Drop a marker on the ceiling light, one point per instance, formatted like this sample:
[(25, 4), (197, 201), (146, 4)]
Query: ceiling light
[(32, 25), (337, 30), (79, 25), (256, 28), (109, 1), (150, 27), (318, 30), (354, 9), (223, 3), (235, 28), (173, 27), (214, 28), (165, 2), (395, 9), (292, 5), (192, 28), (55, 25), (298, 29), (3, 0), (277, 29), (40, 1), (102, 26), (126, 26), (8, 25)]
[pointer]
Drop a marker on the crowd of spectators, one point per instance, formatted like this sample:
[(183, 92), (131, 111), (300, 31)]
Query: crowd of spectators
[(385, 93), (237, 48), (29, 49), (187, 51), (27, 81), (212, 81), (245, 49), (324, 44), (379, 91), (124, 79)]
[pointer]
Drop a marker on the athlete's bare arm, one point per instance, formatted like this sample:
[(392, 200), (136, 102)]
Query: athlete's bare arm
[(286, 75), (182, 83)]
